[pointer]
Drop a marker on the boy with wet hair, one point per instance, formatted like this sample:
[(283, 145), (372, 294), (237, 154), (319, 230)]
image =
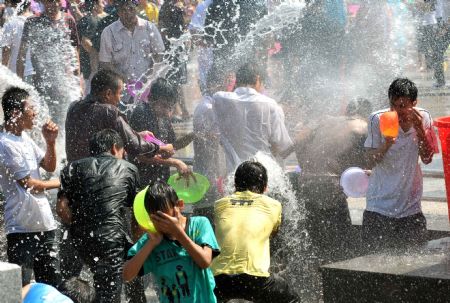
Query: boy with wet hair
[(393, 217), (179, 254), (29, 224), (244, 223)]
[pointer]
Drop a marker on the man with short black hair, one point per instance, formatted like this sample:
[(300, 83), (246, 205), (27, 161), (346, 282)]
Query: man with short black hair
[(248, 120), (29, 223), (95, 193), (99, 111), (130, 45), (244, 222)]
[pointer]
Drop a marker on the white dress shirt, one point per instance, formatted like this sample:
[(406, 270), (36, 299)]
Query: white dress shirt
[(131, 52), (249, 122)]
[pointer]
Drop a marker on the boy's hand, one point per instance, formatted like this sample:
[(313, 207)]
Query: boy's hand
[(155, 238), (389, 141), (416, 119), (167, 224), (50, 132)]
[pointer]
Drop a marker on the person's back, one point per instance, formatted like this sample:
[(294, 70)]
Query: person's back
[(95, 193), (99, 189), (244, 223), (249, 121)]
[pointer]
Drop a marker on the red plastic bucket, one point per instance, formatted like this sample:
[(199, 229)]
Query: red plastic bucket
[(443, 126)]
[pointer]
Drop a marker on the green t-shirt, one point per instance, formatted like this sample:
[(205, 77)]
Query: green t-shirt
[(179, 278)]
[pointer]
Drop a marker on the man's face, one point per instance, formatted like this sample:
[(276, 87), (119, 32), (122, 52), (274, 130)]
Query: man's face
[(127, 14), (117, 95), (403, 106), (28, 115)]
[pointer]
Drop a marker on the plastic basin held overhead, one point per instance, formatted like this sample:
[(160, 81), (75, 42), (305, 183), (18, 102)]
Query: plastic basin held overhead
[(192, 192)]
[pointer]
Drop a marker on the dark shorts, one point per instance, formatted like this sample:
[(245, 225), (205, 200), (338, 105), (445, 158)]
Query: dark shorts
[(35, 252), (384, 233), (252, 288)]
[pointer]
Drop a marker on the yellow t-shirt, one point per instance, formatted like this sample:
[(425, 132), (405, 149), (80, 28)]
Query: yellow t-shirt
[(151, 11), (244, 222)]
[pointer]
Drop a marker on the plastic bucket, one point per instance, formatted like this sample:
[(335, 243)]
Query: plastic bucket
[(443, 126)]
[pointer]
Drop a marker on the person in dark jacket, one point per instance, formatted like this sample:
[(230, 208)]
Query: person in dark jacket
[(94, 195), (99, 111)]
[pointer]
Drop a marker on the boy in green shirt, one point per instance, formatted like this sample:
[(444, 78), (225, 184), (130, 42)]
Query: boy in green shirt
[(179, 254)]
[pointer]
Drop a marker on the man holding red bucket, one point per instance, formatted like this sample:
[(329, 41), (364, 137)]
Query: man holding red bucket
[(393, 217)]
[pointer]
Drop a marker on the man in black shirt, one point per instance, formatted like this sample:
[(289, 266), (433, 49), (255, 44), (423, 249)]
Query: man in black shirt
[(94, 195)]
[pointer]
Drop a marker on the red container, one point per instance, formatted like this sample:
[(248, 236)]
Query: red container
[(443, 126)]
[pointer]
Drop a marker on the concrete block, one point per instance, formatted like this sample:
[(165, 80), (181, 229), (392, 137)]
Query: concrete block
[(10, 283)]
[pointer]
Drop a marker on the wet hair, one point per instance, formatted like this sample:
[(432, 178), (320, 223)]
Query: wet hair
[(78, 290), (402, 87), (248, 73), (105, 79), (160, 197), (252, 176), (103, 141), (13, 100), (163, 90)]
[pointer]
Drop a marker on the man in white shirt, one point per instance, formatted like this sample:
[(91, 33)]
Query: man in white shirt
[(11, 37), (130, 45), (248, 120), (29, 223), (393, 217)]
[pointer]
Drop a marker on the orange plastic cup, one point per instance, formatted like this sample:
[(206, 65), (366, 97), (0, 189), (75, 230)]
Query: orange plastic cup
[(389, 124)]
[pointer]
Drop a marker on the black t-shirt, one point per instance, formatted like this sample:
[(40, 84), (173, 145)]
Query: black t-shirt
[(102, 24), (142, 119), (99, 189), (87, 27)]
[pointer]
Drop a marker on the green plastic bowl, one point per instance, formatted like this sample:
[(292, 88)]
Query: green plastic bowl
[(192, 193), (141, 215)]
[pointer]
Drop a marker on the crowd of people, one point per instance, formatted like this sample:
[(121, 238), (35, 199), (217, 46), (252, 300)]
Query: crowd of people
[(109, 157)]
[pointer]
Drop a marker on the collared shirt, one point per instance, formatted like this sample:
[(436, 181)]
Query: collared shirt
[(249, 122), (130, 52), (396, 183)]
